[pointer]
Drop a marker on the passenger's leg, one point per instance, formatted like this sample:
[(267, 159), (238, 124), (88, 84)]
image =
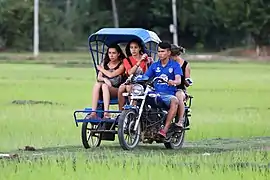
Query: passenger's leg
[(106, 99), (181, 109), (128, 88), (121, 98), (95, 97), (108, 92), (172, 102), (113, 92)]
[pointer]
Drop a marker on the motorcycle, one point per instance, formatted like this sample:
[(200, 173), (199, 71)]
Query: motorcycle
[(145, 114)]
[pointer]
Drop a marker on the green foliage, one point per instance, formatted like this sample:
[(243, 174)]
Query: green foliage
[(16, 20), (249, 16), (65, 24)]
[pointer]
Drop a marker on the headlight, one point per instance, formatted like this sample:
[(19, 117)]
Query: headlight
[(137, 90)]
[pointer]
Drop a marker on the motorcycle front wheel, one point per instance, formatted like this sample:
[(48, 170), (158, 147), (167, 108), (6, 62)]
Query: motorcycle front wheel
[(128, 138)]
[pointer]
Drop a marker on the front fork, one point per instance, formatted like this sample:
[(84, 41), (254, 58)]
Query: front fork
[(141, 108)]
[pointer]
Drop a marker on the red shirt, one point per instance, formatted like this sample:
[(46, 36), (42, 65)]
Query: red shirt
[(133, 61)]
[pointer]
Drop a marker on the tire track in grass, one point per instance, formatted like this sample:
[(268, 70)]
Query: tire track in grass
[(216, 145)]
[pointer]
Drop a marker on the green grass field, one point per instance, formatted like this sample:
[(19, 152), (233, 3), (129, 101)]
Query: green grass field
[(230, 121)]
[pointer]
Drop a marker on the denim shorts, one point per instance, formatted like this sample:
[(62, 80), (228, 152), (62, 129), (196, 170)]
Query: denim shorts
[(166, 98)]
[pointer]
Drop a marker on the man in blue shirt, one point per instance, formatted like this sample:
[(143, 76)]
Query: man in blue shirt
[(171, 71)]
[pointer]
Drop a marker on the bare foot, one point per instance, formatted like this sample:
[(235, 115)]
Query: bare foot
[(107, 115)]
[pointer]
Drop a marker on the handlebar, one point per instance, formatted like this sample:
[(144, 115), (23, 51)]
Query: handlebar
[(159, 79), (150, 83)]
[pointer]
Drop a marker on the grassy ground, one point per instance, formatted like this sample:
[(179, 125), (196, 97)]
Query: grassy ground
[(230, 121)]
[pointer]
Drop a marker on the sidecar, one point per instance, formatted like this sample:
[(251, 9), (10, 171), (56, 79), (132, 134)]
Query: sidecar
[(93, 131)]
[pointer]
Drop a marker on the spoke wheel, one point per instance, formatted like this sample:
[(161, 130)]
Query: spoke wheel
[(176, 141), (128, 138), (90, 139)]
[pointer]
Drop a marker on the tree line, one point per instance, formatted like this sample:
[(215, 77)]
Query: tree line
[(202, 24)]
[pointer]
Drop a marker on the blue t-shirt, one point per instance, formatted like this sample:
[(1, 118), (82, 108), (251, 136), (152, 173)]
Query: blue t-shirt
[(168, 72)]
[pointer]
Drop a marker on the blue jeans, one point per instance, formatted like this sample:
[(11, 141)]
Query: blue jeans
[(166, 98)]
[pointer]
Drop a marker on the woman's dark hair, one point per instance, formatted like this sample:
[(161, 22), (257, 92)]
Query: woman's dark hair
[(142, 51), (176, 50), (118, 49)]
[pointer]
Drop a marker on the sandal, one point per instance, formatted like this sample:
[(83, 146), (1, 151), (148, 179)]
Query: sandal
[(162, 133), (91, 115), (179, 124)]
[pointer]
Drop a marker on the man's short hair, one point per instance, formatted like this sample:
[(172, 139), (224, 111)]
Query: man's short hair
[(165, 45)]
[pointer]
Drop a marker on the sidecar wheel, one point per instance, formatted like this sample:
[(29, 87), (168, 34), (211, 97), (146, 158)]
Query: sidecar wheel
[(90, 139), (128, 138)]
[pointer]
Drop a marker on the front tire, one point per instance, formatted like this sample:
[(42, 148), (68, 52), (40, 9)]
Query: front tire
[(126, 123)]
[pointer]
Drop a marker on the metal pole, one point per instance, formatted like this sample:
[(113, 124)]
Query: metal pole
[(36, 28), (115, 14), (174, 12), (67, 7)]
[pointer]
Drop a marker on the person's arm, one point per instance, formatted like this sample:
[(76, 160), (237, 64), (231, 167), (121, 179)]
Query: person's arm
[(178, 73), (133, 69), (109, 74), (177, 80), (100, 76), (104, 80), (148, 62), (187, 74)]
